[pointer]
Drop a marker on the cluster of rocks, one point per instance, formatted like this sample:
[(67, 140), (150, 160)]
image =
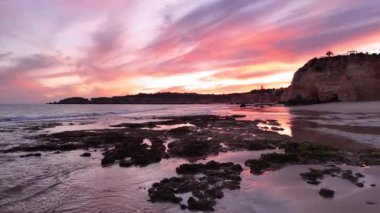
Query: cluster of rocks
[(270, 161), (314, 176), (41, 126), (124, 144), (207, 135), (295, 153), (205, 182), (135, 153)]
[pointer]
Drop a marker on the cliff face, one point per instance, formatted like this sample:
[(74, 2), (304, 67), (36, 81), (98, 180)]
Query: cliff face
[(339, 78)]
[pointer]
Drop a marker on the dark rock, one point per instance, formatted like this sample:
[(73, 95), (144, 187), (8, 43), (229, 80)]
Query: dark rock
[(201, 204), (86, 154), (190, 168), (181, 130), (257, 166), (74, 100), (238, 116), (361, 185), (107, 160), (370, 203), (31, 155), (125, 163), (279, 158), (192, 148), (243, 105), (313, 153), (163, 194), (205, 188), (277, 128), (326, 193), (349, 176), (216, 192), (313, 182), (359, 175), (373, 185)]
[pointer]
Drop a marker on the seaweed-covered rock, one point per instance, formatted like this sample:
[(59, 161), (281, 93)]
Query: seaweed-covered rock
[(201, 204), (326, 193), (314, 176), (138, 153), (257, 166), (205, 181), (187, 148), (280, 158), (86, 154)]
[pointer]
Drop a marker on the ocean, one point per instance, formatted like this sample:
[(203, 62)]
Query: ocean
[(69, 183)]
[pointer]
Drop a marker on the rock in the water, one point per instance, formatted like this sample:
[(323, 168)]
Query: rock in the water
[(31, 155), (86, 154), (280, 158), (204, 181), (257, 166), (200, 204), (326, 193)]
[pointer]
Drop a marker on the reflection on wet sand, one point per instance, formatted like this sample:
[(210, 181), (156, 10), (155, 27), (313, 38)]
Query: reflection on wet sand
[(352, 130), (70, 183)]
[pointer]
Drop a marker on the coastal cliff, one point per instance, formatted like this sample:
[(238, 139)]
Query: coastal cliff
[(340, 78)]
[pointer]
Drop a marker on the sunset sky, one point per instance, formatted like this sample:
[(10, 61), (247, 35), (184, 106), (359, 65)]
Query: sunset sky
[(51, 49)]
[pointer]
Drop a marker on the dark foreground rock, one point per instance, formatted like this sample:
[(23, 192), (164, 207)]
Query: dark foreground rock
[(315, 176), (197, 137), (125, 144), (31, 155), (311, 153), (326, 193), (135, 153), (205, 182), (86, 154)]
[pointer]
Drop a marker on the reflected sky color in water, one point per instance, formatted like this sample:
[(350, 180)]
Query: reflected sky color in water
[(93, 48), (68, 182)]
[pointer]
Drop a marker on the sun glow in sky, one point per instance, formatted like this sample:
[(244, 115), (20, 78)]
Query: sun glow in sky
[(55, 49)]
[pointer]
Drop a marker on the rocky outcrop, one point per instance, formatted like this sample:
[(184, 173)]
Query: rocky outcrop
[(340, 78), (74, 100)]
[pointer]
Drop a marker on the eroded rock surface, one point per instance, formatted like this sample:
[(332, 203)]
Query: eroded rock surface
[(205, 182), (339, 78)]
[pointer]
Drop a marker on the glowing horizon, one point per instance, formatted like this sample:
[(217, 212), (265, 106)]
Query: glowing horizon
[(50, 50)]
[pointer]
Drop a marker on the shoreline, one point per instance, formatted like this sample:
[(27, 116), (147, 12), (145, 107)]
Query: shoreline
[(229, 148), (138, 145)]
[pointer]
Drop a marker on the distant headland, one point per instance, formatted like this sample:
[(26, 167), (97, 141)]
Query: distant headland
[(351, 77), (254, 96)]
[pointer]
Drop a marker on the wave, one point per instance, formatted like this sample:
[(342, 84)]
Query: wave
[(79, 116)]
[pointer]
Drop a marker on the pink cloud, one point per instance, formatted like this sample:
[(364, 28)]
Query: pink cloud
[(119, 45)]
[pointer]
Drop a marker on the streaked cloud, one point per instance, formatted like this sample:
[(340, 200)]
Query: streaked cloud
[(54, 49)]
